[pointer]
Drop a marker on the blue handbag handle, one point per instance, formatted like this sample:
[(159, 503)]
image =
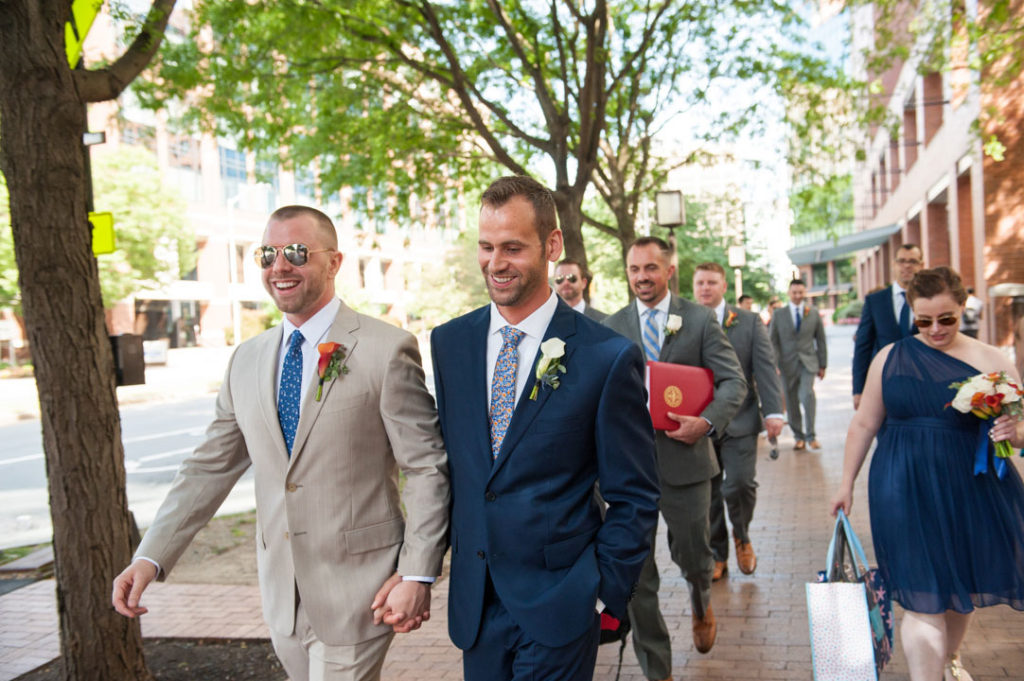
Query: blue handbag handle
[(860, 561)]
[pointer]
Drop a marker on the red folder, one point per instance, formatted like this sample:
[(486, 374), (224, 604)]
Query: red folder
[(677, 388)]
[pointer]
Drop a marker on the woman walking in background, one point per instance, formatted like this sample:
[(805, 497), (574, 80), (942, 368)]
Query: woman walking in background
[(947, 539)]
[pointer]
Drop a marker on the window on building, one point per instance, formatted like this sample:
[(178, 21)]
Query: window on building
[(232, 172), (185, 167), (139, 135)]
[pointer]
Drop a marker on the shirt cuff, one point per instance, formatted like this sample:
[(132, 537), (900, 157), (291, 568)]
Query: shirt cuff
[(153, 562), (775, 416), (418, 578), (711, 426)]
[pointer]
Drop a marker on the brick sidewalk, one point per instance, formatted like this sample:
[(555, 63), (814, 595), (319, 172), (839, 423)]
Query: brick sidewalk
[(762, 619)]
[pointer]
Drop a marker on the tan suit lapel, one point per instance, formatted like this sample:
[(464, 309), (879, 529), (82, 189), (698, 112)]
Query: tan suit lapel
[(342, 329), (266, 390)]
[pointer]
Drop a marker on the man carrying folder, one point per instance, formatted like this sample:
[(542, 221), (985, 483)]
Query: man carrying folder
[(670, 329)]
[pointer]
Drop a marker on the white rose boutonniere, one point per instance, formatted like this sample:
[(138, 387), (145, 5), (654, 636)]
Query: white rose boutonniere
[(549, 366), (674, 323)]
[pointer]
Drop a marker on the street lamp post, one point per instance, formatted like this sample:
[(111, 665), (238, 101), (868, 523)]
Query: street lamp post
[(670, 211), (738, 259)]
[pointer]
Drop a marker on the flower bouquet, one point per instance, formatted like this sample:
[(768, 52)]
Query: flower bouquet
[(989, 396)]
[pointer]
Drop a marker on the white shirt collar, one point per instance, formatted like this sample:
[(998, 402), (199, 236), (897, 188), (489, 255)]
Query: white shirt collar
[(720, 311), (662, 306), (580, 306), (896, 291), (315, 328), (535, 325)]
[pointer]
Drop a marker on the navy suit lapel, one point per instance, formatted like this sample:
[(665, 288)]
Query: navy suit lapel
[(477, 398), (563, 325)]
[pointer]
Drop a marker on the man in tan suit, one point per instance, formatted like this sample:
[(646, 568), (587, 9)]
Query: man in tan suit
[(340, 568)]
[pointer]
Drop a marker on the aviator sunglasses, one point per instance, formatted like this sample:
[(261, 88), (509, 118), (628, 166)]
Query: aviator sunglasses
[(944, 320), (296, 254), (571, 277)]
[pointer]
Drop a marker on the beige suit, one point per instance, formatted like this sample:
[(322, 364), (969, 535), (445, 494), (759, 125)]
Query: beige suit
[(330, 520)]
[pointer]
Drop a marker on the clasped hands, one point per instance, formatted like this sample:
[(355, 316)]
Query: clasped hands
[(404, 605)]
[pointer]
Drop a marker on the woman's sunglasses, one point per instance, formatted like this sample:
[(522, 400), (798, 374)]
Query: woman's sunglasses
[(944, 320), (296, 254), (560, 278)]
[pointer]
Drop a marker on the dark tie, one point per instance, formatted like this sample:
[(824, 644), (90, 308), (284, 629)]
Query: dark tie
[(290, 392), (798, 319), (503, 387), (652, 348), (904, 315)]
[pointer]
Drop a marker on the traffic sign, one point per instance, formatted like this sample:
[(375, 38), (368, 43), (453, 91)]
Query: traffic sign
[(102, 233), (83, 13)]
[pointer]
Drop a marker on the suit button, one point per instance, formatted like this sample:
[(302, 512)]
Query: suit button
[(490, 496), (285, 535), (291, 487), (480, 554)]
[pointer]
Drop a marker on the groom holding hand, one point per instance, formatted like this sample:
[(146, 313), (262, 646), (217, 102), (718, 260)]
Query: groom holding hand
[(537, 403)]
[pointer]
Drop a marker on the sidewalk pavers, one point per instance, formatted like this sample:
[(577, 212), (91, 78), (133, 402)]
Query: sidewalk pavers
[(762, 617)]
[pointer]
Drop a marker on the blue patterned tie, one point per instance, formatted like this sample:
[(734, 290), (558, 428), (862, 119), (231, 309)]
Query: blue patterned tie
[(904, 315), (290, 393), (652, 346), (798, 318), (503, 387)]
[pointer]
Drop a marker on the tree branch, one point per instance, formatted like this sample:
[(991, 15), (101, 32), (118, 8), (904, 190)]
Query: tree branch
[(108, 83)]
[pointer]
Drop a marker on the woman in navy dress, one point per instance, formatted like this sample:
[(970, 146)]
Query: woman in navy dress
[(948, 536)]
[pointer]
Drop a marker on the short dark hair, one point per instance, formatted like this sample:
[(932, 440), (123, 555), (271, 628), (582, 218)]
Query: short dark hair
[(744, 297), (323, 222), (662, 245), (797, 281), (545, 215), (584, 272), (908, 246), (711, 267), (936, 281)]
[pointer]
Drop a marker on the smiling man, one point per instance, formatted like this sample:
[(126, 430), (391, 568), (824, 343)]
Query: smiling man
[(537, 403), (670, 329), (571, 282), (340, 569)]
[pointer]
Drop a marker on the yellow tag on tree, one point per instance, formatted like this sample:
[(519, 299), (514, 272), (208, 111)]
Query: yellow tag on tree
[(83, 12), (102, 233)]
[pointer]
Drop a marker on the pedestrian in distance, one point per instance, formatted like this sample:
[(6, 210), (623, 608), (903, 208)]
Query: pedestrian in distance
[(571, 282)]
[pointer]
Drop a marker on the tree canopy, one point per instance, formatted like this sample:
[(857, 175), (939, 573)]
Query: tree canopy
[(412, 94)]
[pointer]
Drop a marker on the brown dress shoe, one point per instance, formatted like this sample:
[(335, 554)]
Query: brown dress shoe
[(814, 444), (704, 631), (721, 570), (745, 557), (799, 444)]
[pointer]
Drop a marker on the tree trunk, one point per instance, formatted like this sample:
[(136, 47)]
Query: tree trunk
[(41, 125), (568, 202)]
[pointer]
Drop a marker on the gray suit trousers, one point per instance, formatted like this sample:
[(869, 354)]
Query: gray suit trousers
[(800, 393), (688, 546), (737, 491)]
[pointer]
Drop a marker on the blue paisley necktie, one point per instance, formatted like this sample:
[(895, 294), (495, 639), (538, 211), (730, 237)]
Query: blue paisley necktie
[(290, 392), (503, 387)]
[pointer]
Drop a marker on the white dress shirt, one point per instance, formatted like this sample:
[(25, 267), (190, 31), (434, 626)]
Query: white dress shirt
[(899, 300), (662, 308), (534, 327), (314, 332), (581, 306)]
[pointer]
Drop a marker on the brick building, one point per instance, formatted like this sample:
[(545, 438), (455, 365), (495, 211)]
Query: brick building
[(925, 179)]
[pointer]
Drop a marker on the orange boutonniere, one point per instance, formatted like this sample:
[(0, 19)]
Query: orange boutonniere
[(807, 310), (330, 365), (730, 319)]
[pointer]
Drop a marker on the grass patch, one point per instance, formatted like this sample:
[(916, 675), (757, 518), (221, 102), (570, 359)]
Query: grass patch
[(13, 554)]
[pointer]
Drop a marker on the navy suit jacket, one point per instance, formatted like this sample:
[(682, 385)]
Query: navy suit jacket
[(530, 517), (878, 327)]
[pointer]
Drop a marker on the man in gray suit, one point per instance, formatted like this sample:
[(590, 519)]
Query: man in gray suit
[(736, 446), (798, 336), (670, 329), (571, 280), (340, 568)]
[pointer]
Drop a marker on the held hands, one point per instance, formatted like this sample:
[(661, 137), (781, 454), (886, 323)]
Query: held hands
[(691, 428), (129, 585), (404, 605)]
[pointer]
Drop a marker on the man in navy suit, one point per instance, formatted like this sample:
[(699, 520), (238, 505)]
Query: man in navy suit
[(537, 404), (886, 316)]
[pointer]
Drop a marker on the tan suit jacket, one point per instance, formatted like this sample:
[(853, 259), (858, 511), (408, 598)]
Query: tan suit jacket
[(330, 521)]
